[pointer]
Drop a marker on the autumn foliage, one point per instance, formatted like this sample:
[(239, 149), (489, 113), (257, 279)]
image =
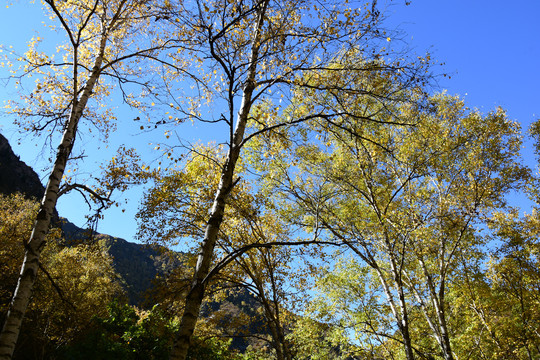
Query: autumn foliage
[(333, 207)]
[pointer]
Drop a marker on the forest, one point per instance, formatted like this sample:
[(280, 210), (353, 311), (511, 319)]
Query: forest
[(334, 206)]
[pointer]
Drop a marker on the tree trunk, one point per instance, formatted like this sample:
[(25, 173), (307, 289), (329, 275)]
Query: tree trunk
[(198, 286), (437, 299), (401, 317), (445, 337), (403, 320), (276, 339), (403, 324), (30, 266)]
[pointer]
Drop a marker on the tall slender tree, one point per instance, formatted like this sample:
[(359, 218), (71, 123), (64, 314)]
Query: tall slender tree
[(105, 40), (245, 53)]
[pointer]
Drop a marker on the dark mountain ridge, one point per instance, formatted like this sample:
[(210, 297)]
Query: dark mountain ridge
[(15, 175)]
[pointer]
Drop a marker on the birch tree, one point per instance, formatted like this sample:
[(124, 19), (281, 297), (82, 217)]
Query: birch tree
[(498, 298), (253, 245), (105, 41), (407, 200), (243, 53)]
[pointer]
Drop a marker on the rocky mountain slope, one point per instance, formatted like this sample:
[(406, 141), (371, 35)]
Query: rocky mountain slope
[(15, 175)]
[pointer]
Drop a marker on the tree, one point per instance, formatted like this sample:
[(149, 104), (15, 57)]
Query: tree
[(481, 169), (406, 200), (17, 215), (499, 297), (124, 332), (105, 39), (88, 282), (251, 52), (315, 340), (175, 208), (349, 308)]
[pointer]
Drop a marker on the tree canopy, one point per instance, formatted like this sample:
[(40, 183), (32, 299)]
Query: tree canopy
[(334, 207)]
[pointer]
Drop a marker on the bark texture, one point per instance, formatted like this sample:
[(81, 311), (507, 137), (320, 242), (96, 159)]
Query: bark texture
[(30, 267)]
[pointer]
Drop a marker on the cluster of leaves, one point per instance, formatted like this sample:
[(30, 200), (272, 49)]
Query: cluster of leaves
[(123, 333)]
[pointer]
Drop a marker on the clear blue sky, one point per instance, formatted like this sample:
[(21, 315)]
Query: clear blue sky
[(491, 49)]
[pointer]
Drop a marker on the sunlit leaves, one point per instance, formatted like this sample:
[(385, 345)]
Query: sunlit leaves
[(54, 81), (406, 198), (78, 283), (177, 206), (496, 301)]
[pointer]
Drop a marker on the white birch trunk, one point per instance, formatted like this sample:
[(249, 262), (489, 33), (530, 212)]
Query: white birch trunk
[(29, 270), (196, 294)]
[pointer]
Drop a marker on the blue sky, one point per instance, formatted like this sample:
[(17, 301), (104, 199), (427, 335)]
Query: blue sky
[(491, 49)]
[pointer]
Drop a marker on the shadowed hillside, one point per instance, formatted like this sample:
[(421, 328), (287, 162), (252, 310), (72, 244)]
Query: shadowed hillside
[(15, 175)]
